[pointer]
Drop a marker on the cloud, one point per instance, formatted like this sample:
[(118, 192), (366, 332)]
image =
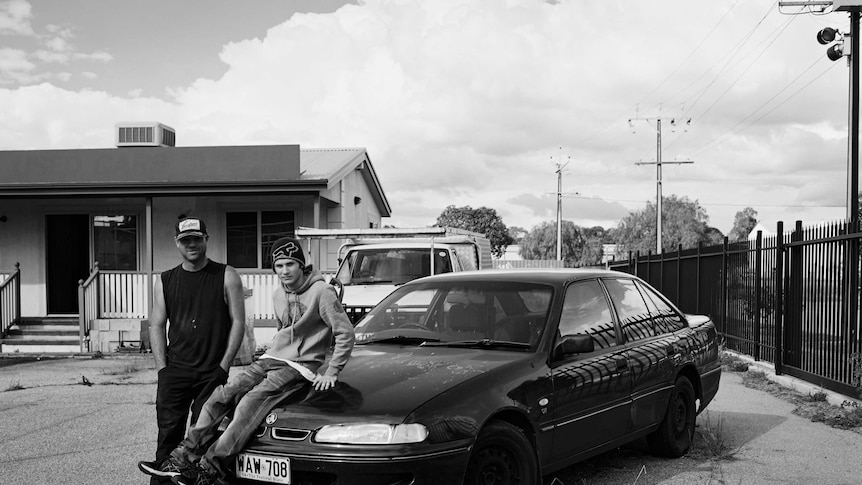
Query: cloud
[(15, 67), (476, 103), (60, 49), (15, 18)]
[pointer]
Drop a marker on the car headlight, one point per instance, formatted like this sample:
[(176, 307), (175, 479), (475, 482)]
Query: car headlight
[(372, 434)]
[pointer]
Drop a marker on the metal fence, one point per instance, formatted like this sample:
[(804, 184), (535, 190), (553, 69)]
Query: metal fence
[(788, 299)]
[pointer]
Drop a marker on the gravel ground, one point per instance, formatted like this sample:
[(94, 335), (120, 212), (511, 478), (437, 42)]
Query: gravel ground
[(93, 419)]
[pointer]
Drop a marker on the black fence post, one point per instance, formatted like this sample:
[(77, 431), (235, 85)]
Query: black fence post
[(780, 259), (758, 293), (697, 279), (725, 278), (661, 271), (679, 272), (793, 319)]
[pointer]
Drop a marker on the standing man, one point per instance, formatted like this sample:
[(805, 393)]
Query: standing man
[(310, 317), (203, 301)]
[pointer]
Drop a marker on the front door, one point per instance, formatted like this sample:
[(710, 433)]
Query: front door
[(67, 260), (592, 390)]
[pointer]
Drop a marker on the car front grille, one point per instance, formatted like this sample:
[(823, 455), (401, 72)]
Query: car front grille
[(289, 434)]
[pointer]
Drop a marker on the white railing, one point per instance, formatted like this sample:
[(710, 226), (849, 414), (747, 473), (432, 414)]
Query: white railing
[(123, 295), (119, 294), (10, 299), (261, 285), (88, 306)]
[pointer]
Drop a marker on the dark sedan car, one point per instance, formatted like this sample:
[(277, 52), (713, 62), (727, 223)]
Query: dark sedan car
[(496, 377)]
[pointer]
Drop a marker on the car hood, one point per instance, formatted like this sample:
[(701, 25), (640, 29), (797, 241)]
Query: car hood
[(366, 295), (387, 382)]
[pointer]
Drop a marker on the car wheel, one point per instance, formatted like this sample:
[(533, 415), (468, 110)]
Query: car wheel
[(675, 433), (502, 455)]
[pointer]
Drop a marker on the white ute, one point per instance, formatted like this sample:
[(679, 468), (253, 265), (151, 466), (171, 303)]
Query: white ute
[(372, 262)]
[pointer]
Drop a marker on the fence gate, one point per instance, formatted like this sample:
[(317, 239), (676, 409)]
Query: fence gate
[(819, 322)]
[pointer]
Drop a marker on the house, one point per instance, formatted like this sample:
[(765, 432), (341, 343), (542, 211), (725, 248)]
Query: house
[(84, 232)]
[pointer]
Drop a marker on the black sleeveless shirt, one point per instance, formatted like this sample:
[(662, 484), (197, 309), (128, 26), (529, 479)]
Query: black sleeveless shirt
[(198, 316)]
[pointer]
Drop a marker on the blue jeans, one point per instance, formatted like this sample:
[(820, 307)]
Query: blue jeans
[(251, 395)]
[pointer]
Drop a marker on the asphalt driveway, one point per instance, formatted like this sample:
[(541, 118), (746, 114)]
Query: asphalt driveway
[(88, 421)]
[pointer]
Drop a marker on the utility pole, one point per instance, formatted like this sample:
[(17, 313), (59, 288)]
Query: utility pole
[(560, 167), (658, 163), (838, 49)]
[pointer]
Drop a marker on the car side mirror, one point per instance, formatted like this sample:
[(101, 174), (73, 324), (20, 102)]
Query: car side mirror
[(339, 287), (574, 344)]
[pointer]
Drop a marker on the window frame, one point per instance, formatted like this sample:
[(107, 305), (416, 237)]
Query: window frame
[(259, 234), (649, 295), (614, 320), (620, 321), (138, 238)]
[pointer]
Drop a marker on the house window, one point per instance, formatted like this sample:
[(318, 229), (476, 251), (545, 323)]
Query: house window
[(250, 236), (115, 242)]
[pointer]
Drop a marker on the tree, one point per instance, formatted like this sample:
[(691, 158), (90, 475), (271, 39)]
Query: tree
[(684, 223), (743, 223), (580, 247), (517, 233), (482, 220)]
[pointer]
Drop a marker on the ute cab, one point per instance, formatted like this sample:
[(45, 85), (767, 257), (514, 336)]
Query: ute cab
[(371, 271), (373, 262)]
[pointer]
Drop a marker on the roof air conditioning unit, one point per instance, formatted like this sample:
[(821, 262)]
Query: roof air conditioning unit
[(146, 134)]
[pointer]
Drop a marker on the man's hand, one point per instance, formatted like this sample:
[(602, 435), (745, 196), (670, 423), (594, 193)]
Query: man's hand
[(323, 382)]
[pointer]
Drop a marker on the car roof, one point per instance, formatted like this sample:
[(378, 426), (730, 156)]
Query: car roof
[(532, 275)]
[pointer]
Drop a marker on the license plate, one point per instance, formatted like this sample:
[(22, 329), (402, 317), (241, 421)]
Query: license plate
[(264, 468)]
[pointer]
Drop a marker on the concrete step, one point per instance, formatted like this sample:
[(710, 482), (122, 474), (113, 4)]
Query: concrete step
[(38, 348), (44, 330), (40, 339), (48, 321), (33, 335)]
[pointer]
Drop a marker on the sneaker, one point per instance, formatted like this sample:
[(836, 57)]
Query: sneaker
[(169, 467), (200, 474)]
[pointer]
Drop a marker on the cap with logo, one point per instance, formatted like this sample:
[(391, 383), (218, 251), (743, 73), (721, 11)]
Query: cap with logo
[(191, 226)]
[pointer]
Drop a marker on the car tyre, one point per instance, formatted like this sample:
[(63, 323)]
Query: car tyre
[(675, 434), (502, 455)]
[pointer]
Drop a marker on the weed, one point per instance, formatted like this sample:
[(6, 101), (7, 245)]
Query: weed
[(14, 387), (813, 406), (856, 361), (713, 439), (98, 355), (818, 396), (125, 370), (733, 363)]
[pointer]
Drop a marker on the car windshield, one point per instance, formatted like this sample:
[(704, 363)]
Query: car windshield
[(482, 314), (391, 266)]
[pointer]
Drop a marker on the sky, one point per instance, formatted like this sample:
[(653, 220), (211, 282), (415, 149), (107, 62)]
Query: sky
[(459, 102)]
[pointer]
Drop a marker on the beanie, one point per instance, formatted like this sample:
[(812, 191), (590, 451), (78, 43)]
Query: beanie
[(287, 247)]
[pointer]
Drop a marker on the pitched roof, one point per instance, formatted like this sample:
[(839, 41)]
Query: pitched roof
[(220, 169), (333, 164)]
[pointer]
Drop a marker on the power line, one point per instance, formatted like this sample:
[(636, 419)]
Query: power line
[(718, 204), (682, 63), (782, 103)]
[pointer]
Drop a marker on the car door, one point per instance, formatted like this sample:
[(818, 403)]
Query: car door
[(591, 390), (647, 350)]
